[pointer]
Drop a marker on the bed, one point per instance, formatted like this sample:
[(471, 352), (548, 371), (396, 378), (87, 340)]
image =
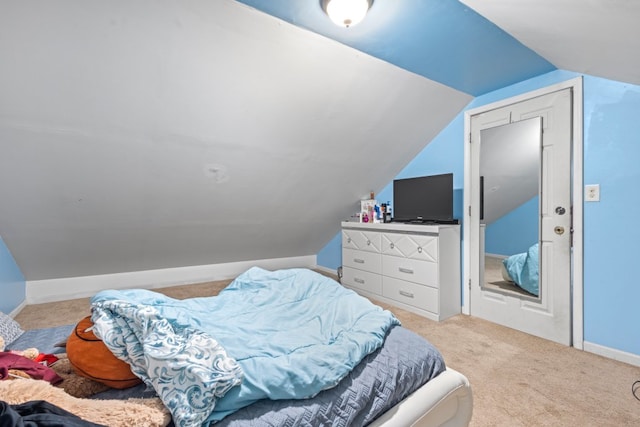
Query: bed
[(522, 269), (395, 379)]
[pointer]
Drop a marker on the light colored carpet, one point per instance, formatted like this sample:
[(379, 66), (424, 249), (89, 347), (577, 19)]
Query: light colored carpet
[(517, 379)]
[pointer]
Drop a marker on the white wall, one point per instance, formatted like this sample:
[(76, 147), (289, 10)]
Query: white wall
[(146, 135)]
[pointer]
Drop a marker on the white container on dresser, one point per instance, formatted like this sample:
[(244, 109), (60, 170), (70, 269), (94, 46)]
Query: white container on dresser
[(414, 267)]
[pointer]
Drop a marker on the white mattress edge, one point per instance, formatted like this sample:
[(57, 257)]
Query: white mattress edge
[(444, 401)]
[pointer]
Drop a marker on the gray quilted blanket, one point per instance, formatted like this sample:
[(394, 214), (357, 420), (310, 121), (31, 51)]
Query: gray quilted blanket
[(382, 379), (404, 363)]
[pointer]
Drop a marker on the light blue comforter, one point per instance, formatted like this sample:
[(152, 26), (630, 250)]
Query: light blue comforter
[(287, 334), (523, 269)]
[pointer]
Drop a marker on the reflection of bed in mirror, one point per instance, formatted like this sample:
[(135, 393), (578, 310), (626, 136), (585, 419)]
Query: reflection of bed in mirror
[(522, 270), (509, 213), (494, 276)]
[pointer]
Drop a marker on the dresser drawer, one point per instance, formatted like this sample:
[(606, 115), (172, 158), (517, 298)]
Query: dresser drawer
[(363, 240), (370, 282), (423, 272), (420, 296), (415, 246), (367, 261)]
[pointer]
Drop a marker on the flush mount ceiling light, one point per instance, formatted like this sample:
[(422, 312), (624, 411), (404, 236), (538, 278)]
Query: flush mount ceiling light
[(346, 13)]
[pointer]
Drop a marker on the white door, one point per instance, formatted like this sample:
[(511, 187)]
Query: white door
[(549, 314)]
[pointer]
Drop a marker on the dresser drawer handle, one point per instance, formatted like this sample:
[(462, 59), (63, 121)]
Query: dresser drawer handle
[(348, 239), (419, 249), (368, 242), (361, 281), (405, 270), (358, 261), (406, 294), (392, 246)]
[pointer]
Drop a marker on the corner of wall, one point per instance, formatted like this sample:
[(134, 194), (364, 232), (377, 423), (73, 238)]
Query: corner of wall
[(12, 282)]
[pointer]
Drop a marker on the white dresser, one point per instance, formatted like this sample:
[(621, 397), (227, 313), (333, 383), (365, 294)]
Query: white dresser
[(414, 267)]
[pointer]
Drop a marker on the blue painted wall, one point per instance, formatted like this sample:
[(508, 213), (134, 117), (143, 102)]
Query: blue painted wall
[(331, 255), (611, 153), (611, 150), (446, 154), (515, 232), (12, 283), (443, 155)]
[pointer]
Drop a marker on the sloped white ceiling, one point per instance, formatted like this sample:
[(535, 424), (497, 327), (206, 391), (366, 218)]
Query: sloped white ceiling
[(150, 134), (596, 37), (442, 40)]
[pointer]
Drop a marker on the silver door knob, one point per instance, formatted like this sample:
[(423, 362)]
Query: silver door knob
[(559, 230), (560, 210)]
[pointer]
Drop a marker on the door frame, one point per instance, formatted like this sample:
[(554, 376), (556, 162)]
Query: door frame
[(577, 283)]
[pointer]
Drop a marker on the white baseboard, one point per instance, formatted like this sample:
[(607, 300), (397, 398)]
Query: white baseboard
[(18, 309), (496, 256), (41, 291), (611, 353), (326, 270)]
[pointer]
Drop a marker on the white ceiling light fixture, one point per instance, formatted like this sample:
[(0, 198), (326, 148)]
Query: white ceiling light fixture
[(346, 13)]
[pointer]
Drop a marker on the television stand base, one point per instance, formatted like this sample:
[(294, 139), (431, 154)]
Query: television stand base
[(429, 222)]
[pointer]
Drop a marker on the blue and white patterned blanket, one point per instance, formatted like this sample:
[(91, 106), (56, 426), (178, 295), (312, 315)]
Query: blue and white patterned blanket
[(287, 334)]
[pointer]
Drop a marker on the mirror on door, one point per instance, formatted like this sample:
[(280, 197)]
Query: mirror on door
[(510, 165)]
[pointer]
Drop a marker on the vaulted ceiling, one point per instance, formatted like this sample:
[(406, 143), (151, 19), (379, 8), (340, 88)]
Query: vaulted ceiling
[(154, 134), (477, 46)]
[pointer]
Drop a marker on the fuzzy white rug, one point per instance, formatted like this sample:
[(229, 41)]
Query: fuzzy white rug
[(114, 413)]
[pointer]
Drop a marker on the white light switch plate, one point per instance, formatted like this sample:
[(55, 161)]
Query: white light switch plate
[(592, 193)]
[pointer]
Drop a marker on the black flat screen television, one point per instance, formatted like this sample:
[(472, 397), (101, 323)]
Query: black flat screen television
[(425, 199)]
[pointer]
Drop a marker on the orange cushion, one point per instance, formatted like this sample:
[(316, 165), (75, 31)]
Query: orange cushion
[(92, 359)]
